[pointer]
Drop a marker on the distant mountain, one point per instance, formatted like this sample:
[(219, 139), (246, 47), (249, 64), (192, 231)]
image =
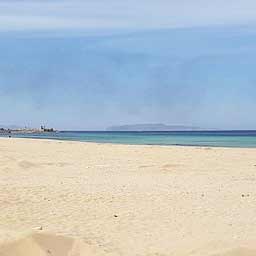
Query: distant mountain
[(152, 127)]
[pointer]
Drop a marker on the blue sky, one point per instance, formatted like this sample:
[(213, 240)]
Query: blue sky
[(93, 64)]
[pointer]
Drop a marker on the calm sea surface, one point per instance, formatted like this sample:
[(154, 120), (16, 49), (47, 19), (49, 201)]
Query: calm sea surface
[(185, 138)]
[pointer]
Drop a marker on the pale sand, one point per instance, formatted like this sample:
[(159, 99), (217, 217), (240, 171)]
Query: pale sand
[(103, 199)]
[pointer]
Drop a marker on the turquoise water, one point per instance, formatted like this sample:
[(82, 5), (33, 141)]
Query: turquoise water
[(185, 138)]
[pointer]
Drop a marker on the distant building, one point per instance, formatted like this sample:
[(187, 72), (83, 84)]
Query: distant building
[(44, 129)]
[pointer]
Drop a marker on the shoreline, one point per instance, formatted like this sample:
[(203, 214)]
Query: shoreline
[(126, 144)]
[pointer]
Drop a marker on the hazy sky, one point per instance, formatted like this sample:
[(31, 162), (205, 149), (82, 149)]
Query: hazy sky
[(93, 64)]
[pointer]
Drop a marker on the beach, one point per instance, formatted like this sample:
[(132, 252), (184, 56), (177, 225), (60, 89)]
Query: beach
[(65, 198)]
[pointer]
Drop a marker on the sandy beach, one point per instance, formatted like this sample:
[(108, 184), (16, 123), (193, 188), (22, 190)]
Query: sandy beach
[(63, 198)]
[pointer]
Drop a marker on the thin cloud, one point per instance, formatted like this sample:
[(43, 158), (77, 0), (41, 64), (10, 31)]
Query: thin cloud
[(113, 14)]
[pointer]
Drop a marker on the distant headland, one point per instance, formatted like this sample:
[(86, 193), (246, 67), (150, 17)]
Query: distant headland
[(152, 127), (17, 130)]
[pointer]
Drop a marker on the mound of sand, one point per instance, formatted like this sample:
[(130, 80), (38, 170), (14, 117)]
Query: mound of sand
[(46, 245)]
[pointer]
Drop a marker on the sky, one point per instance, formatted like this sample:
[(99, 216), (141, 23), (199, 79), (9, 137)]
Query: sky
[(87, 65)]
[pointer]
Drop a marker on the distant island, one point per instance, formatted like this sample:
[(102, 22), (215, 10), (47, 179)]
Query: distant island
[(152, 127)]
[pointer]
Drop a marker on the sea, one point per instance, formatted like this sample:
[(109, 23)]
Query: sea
[(244, 139)]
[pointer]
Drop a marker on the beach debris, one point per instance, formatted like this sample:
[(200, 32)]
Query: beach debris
[(115, 216), (38, 228)]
